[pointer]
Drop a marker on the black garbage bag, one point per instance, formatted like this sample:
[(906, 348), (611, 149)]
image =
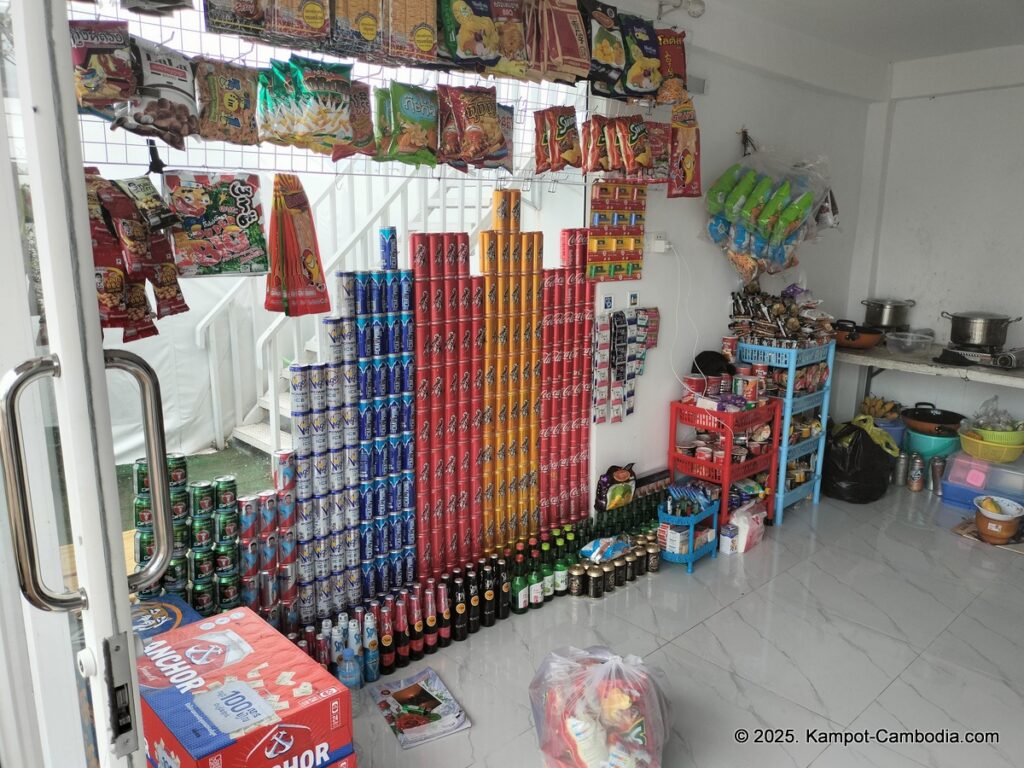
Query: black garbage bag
[(858, 462)]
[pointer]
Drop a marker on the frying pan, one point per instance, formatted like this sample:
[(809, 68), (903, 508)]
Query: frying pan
[(926, 418), (853, 336)]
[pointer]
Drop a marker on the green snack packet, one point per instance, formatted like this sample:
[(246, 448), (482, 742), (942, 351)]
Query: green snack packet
[(323, 103), (414, 115), (756, 201), (772, 209), (277, 111), (736, 199), (721, 188), (384, 127), (791, 218)]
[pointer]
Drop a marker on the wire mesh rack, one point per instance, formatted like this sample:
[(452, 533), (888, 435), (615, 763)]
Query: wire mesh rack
[(185, 32)]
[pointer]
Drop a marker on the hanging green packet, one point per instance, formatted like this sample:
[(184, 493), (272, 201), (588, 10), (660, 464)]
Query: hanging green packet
[(384, 126), (414, 129), (323, 100), (276, 110)]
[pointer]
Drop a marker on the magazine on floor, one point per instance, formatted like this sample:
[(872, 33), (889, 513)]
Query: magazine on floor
[(419, 708)]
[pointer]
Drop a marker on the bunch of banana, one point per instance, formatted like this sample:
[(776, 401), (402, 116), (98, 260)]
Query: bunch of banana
[(880, 408)]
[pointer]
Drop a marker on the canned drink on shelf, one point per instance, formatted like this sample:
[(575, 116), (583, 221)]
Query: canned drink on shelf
[(350, 458), (393, 458), (284, 470), (407, 490), (140, 477), (380, 415), (366, 540), (388, 248), (337, 520), (272, 616), (287, 546), (321, 558), (406, 378), (350, 542), (366, 461), (346, 349), (298, 386), (378, 458), (361, 281), (302, 432), (408, 525), (367, 419), (409, 555), (375, 343), (336, 469), (350, 507), (304, 560), (339, 593), (335, 429), (225, 524), (373, 293), (249, 591), (268, 589), (323, 595), (317, 387), (349, 417), (366, 501), (304, 516), (380, 497), (289, 618), (368, 577), (249, 557), (405, 291), (354, 585), (225, 557), (180, 504), (287, 584), (177, 573), (394, 531), (364, 336), (321, 474), (203, 599), (268, 551), (267, 505), (202, 534), (407, 413), (332, 330), (336, 552), (318, 428), (380, 534), (393, 414), (321, 515), (305, 601), (382, 572), (304, 477), (143, 512), (345, 302), (286, 511), (348, 378), (203, 565), (203, 497), (407, 452), (177, 470)]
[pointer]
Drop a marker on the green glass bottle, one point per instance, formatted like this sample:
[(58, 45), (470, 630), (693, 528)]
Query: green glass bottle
[(547, 571), (561, 570), (520, 587), (571, 549), (536, 581)]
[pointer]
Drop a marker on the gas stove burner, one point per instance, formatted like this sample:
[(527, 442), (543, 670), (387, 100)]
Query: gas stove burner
[(992, 357)]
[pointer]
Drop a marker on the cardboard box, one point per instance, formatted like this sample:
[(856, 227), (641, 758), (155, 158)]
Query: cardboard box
[(230, 691), (161, 614)]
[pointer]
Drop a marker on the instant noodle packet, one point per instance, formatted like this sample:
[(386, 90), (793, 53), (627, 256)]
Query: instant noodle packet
[(227, 102)]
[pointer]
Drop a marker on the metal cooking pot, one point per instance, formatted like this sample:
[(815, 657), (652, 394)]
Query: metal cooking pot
[(887, 313), (981, 329), (926, 418)]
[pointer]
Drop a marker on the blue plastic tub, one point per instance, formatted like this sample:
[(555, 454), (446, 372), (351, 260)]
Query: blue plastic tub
[(895, 427), (930, 445), (963, 496)]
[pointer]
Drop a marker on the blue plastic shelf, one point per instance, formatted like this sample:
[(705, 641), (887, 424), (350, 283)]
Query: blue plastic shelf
[(804, 447), (801, 403), (691, 520), (801, 492), (784, 358), (711, 548)]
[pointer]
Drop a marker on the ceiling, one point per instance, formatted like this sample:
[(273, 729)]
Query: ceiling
[(896, 30)]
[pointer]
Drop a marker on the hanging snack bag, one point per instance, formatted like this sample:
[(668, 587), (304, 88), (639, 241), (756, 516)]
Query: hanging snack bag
[(565, 39), (130, 229), (138, 311), (476, 114), (384, 128), (304, 23), (356, 27), (361, 117), (642, 76), (659, 137), (511, 28), (164, 105), (227, 102), (615, 488), (164, 277), (607, 51), (672, 54), (148, 202), (541, 131), (563, 138), (469, 31), (296, 284), (505, 157), (221, 229), (449, 145), (684, 162), (101, 53), (236, 17), (108, 262), (633, 144), (412, 30), (595, 146), (414, 111), (324, 102), (611, 139)]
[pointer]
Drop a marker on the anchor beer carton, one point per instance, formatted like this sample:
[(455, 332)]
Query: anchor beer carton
[(161, 614), (230, 691)]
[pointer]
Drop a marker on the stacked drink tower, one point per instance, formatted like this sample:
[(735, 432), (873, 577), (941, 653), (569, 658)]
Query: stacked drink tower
[(565, 381)]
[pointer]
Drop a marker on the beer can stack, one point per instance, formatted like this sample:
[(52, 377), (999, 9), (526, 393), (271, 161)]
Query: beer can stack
[(204, 560), (369, 392), (449, 391), (566, 384)]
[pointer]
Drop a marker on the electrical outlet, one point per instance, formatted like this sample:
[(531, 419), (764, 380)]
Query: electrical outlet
[(607, 302), (659, 242), (634, 298)]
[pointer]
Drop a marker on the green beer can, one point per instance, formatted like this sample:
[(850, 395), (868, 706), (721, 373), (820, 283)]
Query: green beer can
[(177, 470)]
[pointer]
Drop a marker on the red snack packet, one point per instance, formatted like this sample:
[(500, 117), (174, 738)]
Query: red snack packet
[(449, 147), (684, 160), (659, 136), (108, 266), (636, 151), (611, 140), (164, 277), (672, 54), (139, 321), (476, 114), (129, 228), (563, 138), (296, 284), (361, 118), (540, 141)]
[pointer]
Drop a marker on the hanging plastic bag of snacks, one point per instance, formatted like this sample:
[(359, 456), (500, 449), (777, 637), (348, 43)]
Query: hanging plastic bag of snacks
[(164, 105), (296, 284), (384, 127), (563, 138), (684, 160), (148, 201), (642, 76), (540, 142), (469, 33), (633, 144), (227, 101), (108, 261), (101, 53), (504, 158), (139, 323), (303, 23), (449, 143), (672, 54), (164, 277), (414, 111), (476, 115), (508, 22), (362, 140)]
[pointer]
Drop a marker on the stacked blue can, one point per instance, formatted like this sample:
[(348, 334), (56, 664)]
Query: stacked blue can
[(352, 425)]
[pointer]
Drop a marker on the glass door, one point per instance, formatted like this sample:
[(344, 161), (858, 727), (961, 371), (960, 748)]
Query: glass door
[(65, 627)]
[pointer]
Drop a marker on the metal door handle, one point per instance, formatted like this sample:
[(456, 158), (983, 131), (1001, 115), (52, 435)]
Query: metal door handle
[(19, 507), (156, 460)]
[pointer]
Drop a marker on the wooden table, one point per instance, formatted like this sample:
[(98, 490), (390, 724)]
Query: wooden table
[(70, 569), (880, 359)]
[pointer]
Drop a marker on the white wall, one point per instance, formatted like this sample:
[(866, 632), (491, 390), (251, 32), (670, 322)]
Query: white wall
[(948, 236), (695, 301)]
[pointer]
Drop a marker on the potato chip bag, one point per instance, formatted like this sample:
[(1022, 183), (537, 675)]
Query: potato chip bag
[(148, 202), (607, 51), (563, 138), (164, 105), (476, 114), (510, 25), (108, 261), (659, 137), (322, 98), (449, 145), (384, 127), (275, 108), (469, 32), (595, 145), (414, 111), (298, 22), (540, 141), (227, 102), (362, 140), (101, 53), (642, 76), (504, 157), (611, 140), (633, 144)]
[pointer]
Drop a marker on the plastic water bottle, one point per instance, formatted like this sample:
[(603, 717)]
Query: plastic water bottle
[(371, 653), (350, 673)]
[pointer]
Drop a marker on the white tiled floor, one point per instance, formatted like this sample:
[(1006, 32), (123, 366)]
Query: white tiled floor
[(846, 617)]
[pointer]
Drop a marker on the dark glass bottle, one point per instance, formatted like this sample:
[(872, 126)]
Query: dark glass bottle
[(473, 595), (489, 599), (460, 618)]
